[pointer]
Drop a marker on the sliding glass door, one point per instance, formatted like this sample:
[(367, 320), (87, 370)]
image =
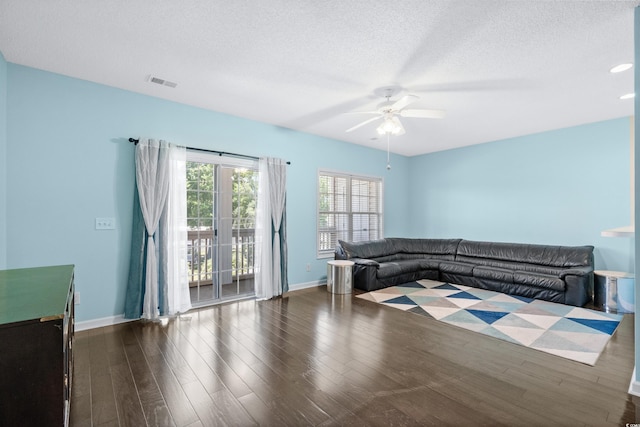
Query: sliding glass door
[(221, 213)]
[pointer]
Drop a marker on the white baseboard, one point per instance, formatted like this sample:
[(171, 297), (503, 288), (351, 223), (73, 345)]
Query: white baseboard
[(98, 323), (634, 386), (306, 285)]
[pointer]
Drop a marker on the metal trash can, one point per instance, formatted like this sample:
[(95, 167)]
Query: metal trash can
[(614, 291), (340, 276)]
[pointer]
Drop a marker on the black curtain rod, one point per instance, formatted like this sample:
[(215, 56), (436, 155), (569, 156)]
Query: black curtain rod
[(220, 153)]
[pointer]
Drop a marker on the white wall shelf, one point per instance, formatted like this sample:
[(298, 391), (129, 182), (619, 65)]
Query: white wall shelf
[(627, 231)]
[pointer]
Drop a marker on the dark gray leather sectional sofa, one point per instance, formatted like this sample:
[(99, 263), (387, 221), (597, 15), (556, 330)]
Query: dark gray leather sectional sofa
[(561, 274)]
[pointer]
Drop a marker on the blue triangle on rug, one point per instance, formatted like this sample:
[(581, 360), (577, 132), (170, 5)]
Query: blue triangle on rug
[(464, 295), (606, 326), (447, 286), (523, 299), (412, 285), (488, 316), (400, 300)]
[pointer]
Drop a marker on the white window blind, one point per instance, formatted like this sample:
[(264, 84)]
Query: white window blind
[(349, 208)]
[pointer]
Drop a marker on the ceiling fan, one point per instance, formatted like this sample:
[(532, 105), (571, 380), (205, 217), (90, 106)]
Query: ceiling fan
[(390, 111)]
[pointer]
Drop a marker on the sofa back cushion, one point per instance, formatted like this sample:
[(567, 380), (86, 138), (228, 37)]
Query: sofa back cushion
[(370, 249), (396, 248), (425, 248), (552, 256)]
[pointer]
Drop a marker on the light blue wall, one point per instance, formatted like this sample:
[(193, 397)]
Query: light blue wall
[(3, 162), (561, 187), (70, 162)]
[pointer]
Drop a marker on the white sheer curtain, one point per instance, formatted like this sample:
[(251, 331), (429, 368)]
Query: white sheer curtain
[(270, 212), (175, 283), (161, 183)]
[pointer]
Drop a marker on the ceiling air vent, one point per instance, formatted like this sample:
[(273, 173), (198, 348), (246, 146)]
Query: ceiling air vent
[(162, 82)]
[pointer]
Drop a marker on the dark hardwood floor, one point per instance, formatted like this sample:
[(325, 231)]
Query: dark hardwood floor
[(312, 358)]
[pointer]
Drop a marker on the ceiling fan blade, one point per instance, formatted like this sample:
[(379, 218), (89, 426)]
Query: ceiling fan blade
[(473, 86), (404, 101), (319, 116), (398, 123), (425, 114), (363, 112), (364, 123)]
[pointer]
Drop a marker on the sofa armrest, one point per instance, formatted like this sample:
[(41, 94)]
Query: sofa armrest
[(576, 271), (365, 273), (579, 285), (365, 262)]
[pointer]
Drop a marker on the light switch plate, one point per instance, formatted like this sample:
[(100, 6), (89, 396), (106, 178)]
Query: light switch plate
[(105, 223)]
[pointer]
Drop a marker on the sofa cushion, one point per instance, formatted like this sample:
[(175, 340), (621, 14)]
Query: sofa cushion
[(539, 280), (512, 265), (554, 256), (539, 269), (368, 249), (387, 258), (429, 248), (394, 268), (493, 273), (456, 267)]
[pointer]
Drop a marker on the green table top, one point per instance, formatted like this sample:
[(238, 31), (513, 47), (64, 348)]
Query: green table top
[(34, 293)]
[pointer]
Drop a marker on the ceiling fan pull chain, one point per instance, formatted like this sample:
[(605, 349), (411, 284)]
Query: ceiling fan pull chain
[(388, 163)]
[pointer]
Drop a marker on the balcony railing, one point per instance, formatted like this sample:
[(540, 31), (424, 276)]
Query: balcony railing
[(235, 258)]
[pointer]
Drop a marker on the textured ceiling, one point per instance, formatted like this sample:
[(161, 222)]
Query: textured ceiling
[(499, 68)]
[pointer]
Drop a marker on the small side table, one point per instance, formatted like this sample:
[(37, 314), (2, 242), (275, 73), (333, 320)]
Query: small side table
[(614, 291), (340, 276)]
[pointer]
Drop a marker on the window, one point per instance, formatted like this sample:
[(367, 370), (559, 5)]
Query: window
[(349, 208)]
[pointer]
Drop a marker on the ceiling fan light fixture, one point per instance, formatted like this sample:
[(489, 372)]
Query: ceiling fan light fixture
[(389, 126)]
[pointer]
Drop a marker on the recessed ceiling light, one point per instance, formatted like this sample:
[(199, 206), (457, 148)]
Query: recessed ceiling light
[(628, 96), (620, 68)]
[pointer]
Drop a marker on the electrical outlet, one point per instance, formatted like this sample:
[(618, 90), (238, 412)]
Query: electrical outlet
[(76, 298), (308, 267), (105, 223)]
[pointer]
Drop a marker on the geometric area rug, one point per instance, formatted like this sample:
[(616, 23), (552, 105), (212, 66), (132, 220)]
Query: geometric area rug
[(574, 333)]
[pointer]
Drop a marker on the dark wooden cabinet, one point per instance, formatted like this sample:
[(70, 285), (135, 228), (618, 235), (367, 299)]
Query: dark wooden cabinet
[(36, 340)]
